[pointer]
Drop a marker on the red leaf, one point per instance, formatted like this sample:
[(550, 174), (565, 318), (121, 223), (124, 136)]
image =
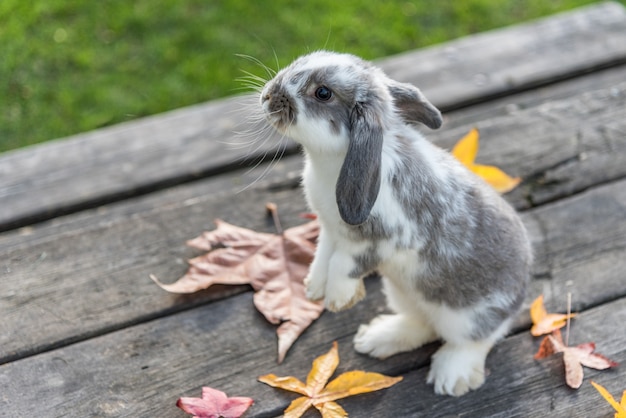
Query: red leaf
[(214, 404), (574, 358)]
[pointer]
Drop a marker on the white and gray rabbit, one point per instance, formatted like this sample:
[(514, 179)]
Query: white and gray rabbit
[(454, 256)]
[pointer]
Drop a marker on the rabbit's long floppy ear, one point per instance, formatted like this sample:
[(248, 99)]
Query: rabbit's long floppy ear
[(359, 179), (413, 105)]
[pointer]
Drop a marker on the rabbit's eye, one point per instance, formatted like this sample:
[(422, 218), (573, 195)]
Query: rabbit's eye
[(323, 93)]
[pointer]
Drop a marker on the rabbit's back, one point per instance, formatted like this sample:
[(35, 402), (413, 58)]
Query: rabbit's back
[(439, 227)]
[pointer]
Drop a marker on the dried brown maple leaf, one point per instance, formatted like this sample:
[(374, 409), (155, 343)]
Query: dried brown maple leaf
[(275, 265), (544, 322), (323, 396), (574, 358), (214, 404)]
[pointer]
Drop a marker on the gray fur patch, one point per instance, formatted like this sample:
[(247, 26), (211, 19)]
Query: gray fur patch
[(366, 263), (296, 78), (485, 323), (372, 229), (413, 106), (337, 110), (474, 246)]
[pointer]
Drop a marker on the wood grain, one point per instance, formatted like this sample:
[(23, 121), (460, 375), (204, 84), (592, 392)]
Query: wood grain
[(142, 370), (108, 265)]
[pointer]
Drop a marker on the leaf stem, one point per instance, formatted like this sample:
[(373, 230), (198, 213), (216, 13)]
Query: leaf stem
[(569, 312), (272, 209)]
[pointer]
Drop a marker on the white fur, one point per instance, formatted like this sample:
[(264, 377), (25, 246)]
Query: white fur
[(387, 335), (457, 369)]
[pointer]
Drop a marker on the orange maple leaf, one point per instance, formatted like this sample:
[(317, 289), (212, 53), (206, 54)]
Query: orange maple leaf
[(275, 265), (544, 322), (574, 358), (620, 408), (323, 396), (466, 150)]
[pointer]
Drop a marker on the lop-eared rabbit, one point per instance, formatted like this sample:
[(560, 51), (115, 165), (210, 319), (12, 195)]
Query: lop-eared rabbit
[(454, 256)]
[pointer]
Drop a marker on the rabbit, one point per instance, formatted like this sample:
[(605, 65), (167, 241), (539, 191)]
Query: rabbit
[(453, 255)]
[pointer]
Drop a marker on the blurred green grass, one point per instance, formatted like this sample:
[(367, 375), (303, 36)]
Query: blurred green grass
[(68, 66)]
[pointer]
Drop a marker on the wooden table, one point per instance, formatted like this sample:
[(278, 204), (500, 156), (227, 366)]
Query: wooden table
[(87, 219)]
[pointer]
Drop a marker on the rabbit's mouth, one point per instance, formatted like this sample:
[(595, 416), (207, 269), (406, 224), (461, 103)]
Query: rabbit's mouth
[(279, 110)]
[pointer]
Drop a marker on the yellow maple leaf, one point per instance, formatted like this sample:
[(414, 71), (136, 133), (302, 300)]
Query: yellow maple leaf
[(620, 408), (544, 322), (466, 150), (323, 396)]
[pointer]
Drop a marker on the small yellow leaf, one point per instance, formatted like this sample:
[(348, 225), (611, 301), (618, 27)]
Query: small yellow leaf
[(288, 383), (619, 408), (331, 410), (543, 322), (550, 323), (322, 398), (538, 310), (354, 383), (298, 407), (497, 178), (466, 149), (322, 369)]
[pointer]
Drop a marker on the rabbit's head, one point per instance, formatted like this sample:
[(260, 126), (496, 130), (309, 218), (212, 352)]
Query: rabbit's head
[(339, 105)]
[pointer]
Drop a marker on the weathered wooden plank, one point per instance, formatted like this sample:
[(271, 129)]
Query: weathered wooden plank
[(279, 175), (142, 370), (67, 287), (575, 259), (84, 171), (106, 266), (557, 147), (106, 258), (89, 169), (496, 63), (515, 103)]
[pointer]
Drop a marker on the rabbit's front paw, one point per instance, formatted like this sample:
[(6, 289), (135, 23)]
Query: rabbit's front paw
[(387, 335), (343, 293), (314, 288), (455, 369)]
